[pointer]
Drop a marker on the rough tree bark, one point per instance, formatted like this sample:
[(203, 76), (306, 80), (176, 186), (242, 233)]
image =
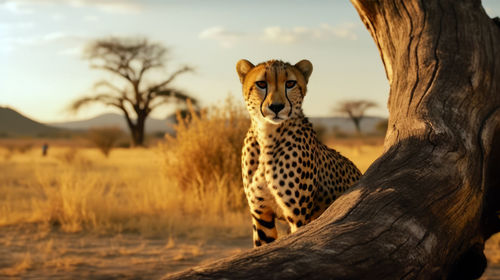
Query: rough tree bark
[(424, 209)]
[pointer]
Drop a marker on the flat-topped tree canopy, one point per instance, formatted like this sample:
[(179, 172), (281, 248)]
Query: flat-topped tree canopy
[(424, 209)]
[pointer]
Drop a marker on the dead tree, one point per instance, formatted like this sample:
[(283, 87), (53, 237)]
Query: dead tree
[(132, 60), (424, 209)]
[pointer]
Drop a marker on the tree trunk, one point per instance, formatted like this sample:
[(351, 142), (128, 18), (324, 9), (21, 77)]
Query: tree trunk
[(424, 209), (357, 125), (136, 133), (137, 130), (137, 137), (139, 140)]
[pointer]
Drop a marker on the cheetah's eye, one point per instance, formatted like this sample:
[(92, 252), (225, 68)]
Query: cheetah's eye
[(261, 84), (290, 84)]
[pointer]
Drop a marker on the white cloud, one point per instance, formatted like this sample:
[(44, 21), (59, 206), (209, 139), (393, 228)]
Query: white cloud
[(111, 6), (277, 34), (344, 31), (14, 7), (300, 33), (59, 42), (71, 44), (225, 38)]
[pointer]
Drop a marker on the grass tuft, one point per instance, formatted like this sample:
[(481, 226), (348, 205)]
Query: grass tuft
[(204, 158)]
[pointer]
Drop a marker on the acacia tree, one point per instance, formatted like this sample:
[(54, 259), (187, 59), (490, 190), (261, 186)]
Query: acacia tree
[(136, 94), (425, 208), (355, 110)]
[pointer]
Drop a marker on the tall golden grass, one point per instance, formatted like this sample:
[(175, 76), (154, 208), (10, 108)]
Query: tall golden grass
[(204, 157), (190, 185), (125, 193)]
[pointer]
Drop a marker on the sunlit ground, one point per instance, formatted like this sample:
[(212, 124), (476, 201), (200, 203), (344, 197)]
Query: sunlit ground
[(78, 214)]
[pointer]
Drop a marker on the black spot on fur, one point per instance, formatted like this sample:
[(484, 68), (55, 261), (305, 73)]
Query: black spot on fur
[(264, 237)]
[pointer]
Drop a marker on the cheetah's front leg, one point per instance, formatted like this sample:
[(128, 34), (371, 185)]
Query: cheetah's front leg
[(259, 197), (264, 228), (294, 191), (263, 216)]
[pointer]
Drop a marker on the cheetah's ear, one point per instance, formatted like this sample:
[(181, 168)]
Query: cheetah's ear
[(243, 67), (306, 67)]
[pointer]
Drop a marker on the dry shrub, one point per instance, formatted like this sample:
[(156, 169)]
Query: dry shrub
[(68, 156), (13, 148), (25, 147), (204, 158), (72, 156), (7, 152), (105, 138)]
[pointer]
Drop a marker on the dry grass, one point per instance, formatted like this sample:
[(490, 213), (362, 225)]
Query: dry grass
[(80, 190), (189, 186), (360, 151), (204, 158), (66, 215)]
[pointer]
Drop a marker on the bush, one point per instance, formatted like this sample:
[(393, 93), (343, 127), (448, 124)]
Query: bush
[(104, 138), (204, 158)]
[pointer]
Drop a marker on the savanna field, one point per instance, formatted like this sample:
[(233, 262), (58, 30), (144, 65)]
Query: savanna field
[(139, 213)]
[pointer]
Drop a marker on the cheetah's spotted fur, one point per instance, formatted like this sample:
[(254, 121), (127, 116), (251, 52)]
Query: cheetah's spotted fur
[(287, 172)]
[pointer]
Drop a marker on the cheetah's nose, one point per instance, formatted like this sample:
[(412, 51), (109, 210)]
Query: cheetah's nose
[(276, 108)]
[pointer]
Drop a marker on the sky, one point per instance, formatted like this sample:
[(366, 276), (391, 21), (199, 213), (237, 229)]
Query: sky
[(42, 70)]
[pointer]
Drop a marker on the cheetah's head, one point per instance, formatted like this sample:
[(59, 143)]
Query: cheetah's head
[(274, 90)]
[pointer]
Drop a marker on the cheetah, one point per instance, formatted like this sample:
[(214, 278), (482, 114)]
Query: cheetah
[(287, 173)]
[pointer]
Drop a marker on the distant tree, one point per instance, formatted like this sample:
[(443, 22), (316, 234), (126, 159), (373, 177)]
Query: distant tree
[(355, 110), (132, 59), (105, 138)]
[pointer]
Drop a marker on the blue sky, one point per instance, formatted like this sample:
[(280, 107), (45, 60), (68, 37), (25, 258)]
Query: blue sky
[(41, 69)]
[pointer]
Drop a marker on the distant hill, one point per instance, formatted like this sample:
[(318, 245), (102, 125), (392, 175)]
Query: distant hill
[(110, 119), (14, 124), (368, 124), (165, 126)]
